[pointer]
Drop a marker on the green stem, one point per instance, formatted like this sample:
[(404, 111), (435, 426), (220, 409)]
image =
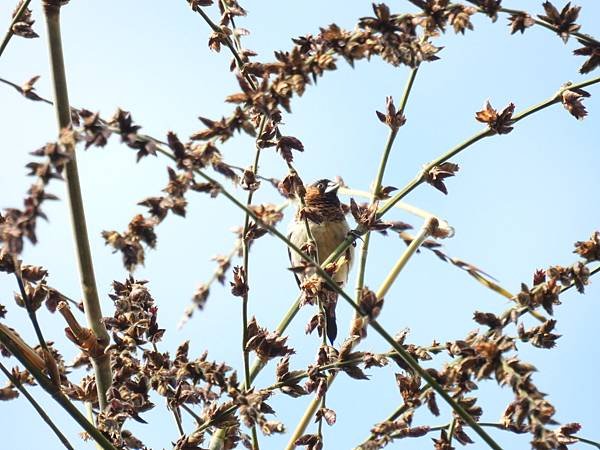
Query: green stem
[(451, 428), (360, 279), (37, 407), (91, 302), (48, 385), (177, 418), (306, 418), (9, 33), (246, 265), (191, 412), (426, 231)]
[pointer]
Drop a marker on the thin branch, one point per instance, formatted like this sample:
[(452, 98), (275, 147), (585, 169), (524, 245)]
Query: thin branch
[(177, 417), (93, 312), (426, 230), (217, 274), (451, 429), (9, 33), (37, 407)]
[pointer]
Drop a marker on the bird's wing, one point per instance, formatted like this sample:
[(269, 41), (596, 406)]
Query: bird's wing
[(292, 262)]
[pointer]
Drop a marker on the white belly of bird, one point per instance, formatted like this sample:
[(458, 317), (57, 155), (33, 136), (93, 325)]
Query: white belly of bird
[(327, 236)]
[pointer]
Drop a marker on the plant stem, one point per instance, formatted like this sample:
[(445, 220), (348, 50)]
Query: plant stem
[(360, 279), (246, 264), (214, 277), (37, 407), (426, 231), (177, 417), (451, 428), (414, 365), (91, 302), (9, 33), (217, 441), (309, 412), (48, 385)]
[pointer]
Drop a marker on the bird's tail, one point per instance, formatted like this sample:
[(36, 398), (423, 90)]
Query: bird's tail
[(331, 322)]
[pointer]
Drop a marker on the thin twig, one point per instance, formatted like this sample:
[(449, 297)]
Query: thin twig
[(414, 210), (177, 417), (451, 429), (216, 275)]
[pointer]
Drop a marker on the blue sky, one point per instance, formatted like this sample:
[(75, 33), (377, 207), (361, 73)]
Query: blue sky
[(517, 204)]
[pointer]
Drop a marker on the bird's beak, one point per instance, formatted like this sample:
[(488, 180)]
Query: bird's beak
[(332, 187)]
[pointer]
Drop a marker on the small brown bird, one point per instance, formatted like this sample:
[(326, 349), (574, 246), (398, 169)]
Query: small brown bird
[(329, 228)]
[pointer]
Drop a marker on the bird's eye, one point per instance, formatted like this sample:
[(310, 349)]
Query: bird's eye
[(321, 187)]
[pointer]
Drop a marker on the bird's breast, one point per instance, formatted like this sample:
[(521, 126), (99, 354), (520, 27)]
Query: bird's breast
[(328, 236)]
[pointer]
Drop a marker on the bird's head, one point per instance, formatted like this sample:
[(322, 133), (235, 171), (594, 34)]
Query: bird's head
[(322, 192)]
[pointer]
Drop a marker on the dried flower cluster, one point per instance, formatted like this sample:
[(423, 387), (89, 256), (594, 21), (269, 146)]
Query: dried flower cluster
[(23, 26)]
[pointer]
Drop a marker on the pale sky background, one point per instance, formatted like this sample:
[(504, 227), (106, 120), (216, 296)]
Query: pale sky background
[(518, 203)]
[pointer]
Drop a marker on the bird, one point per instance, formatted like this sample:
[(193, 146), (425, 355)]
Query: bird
[(327, 223)]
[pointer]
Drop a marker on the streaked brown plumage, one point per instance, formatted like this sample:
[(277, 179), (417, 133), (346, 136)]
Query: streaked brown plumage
[(329, 228)]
